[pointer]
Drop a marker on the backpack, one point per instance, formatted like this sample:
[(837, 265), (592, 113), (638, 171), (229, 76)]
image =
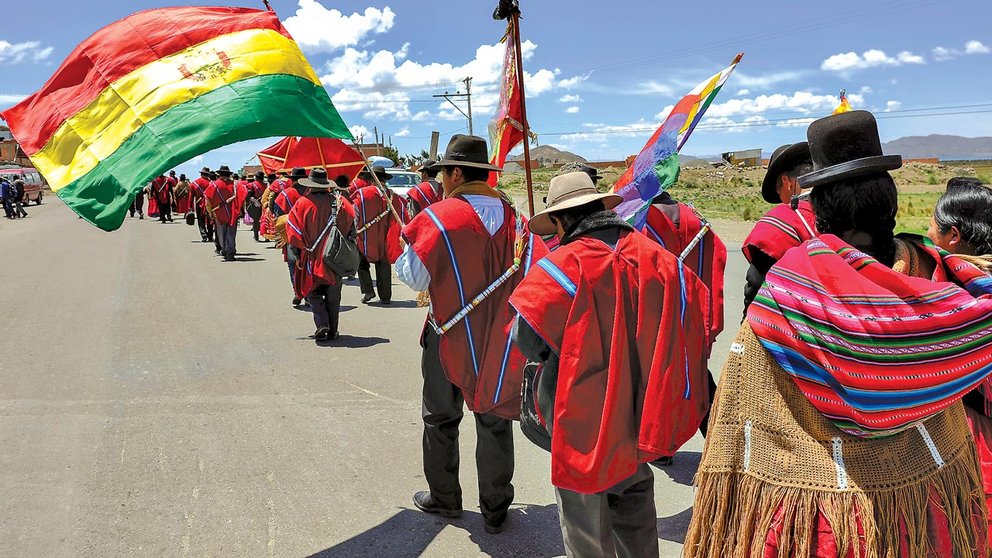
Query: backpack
[(340, 252)]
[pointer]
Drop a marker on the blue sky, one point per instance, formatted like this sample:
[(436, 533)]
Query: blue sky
[(600, 74)]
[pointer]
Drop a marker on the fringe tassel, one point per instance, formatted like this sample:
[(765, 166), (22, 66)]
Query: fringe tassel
[(423, 299), (733, 513)]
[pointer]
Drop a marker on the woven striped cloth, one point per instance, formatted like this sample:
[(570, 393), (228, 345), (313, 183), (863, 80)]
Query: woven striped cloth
[(874, 350)]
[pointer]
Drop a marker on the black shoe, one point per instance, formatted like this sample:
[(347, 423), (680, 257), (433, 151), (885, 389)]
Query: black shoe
[(321, 333), (425, 503), (333, 336), (367, 297), (496, 527), (296, 302)]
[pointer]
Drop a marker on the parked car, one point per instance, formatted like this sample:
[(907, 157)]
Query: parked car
[(402, 181), (34, 184)]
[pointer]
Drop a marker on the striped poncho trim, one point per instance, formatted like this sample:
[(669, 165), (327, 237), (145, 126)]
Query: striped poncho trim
[(872, 349)]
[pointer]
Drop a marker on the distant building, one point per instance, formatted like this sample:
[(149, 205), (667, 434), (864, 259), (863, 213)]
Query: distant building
[(250, 170), (747, 158)]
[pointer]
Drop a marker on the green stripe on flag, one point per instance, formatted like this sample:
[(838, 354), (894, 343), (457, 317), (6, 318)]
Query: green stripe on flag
[(257, 107)]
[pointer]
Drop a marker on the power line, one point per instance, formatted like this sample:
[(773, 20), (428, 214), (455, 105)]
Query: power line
[(776, 121)]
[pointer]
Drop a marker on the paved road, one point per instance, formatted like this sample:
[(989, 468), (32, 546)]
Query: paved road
[(157, 401)]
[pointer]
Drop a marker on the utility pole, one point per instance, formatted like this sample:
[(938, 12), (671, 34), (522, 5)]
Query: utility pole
[(468, 91), (467, 95)]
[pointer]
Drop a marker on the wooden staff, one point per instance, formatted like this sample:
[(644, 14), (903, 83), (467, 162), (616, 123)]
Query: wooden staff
[(695, 240), (382, 188)]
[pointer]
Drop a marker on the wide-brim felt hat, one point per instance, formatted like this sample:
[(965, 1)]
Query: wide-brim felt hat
[(318, 179), (845, 146), (224, 170), (429, 165), (298, 173), (783, 159), (467, 151), (380, 171), (566, 191), (205, 170)]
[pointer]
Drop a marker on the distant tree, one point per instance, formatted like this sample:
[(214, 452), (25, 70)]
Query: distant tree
[(391, 152)]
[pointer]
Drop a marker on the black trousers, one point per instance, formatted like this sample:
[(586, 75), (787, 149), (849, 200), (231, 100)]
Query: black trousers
[(383, 278), (325, 303), (137, 206), (165, 212), (442, 412), (204, 223)]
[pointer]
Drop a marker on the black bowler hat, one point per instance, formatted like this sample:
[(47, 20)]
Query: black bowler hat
[(845, 146), (224, 170), (259, 176), (380, 171), (467, 151), (783, 159), (593, 172), (298, 173)]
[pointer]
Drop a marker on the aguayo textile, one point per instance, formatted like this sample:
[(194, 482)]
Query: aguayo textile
[(889, 352), (779, 480), (158, 88), (779, 230)]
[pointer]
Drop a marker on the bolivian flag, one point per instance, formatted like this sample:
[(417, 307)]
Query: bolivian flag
[(158, 88)]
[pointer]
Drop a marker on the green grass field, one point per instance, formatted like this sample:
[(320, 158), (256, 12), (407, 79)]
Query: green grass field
[(735, 194)]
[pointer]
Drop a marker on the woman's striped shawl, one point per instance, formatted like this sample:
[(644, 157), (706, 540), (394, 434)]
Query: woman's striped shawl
[(872, 349)]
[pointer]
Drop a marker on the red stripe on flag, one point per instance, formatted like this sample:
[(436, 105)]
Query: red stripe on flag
[(117, 50)]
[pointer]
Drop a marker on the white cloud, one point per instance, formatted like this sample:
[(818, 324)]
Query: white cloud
[(402, 133), (572, 110), (15, 53), (601, 133), (892, 105), (803, 102), (865, 89), (570, 99), (8, 99), (743, 92), (850, 61), (976, 47), (357, 131), (941, 54), (317, 28), (381, 83)]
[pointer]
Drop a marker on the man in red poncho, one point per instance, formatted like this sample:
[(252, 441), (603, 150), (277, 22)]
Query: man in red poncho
[(620, 327), (282, 206), (162, 193), (788, 224), (307, 229), (363, 179), (456, 250), (225, 200), (676, 226), (378, 237), (204, 222), (428, 192), (253, 205), (182, 195)]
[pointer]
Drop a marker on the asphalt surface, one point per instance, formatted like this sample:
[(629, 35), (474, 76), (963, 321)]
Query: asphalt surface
[(157, 401)]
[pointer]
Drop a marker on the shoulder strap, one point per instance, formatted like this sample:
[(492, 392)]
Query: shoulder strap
[(330, 222)]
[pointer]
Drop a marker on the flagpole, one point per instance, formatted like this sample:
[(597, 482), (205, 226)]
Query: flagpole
[(515, 23)]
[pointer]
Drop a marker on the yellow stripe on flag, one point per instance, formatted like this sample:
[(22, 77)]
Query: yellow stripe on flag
[(98, 130)]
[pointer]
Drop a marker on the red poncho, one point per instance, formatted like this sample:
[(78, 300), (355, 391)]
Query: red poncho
[(227, 199), (628, 325), (707, 260), (160, 190), (198, 189), (779, 230), (306, 221), (425, 194), (380, 241), (463, 260)]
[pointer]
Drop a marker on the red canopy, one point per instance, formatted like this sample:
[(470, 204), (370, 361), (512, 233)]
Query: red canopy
[(329, 153), (273, 158)]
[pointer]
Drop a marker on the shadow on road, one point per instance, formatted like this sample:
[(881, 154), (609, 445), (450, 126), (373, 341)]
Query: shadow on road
[(674, 527), (353, 342), (395, 304), (683, 468), (246, 259), (531, 531)]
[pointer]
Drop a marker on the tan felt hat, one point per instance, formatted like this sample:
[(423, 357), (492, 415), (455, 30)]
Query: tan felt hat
[(567, 191)]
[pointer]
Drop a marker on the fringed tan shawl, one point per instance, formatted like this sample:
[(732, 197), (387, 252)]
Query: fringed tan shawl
[(769, 449)]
